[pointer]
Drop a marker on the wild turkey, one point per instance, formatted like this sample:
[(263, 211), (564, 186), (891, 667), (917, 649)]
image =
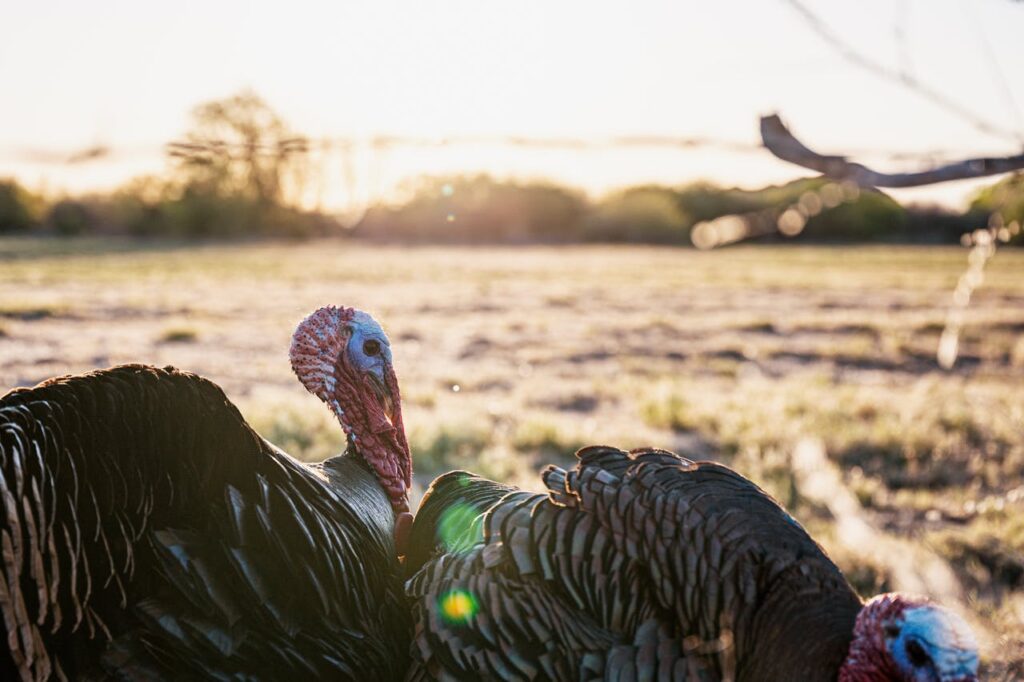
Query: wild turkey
[(148, 532), (647, 566)]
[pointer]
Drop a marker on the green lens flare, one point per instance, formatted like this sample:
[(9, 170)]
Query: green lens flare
[(458, 606), (459, 528)]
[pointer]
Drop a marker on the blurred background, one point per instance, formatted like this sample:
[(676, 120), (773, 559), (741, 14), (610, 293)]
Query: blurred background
[(574, 225)]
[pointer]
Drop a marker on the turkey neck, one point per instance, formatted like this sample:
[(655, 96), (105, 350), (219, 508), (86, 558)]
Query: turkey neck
[(353, 480)]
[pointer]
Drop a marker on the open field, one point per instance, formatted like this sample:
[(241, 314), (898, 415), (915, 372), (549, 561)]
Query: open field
[(511, 357)]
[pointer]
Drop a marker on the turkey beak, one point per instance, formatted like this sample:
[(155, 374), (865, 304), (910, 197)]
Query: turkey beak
[(389, 405), (391, 402), (379, 384)]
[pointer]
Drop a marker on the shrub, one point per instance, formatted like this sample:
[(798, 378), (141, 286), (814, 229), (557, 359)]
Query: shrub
[(1006, 198), (19, 209), (479, 209), (642, 214), (70, 217), (202, 212), (704, 201), (873, 216)]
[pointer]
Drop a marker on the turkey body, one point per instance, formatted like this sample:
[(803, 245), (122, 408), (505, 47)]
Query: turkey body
[(148, 532), (639, 565)]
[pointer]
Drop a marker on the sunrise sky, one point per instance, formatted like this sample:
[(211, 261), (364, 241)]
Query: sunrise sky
[(126, 74)]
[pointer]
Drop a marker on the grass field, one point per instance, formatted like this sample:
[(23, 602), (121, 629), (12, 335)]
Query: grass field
[(512, 357)]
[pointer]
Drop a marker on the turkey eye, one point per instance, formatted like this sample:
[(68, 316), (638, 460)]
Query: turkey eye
[(371, 347), (916, 654)]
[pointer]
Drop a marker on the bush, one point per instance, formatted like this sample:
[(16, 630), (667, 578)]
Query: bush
[(704, 201), (199, 212), (69, 217), (132, 215), (479, 209), (19, 209), (1006, 198), (873, 216), (937, 225), (190, 212), (643, 214)]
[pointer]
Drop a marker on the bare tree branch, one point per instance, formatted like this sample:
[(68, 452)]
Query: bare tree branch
[(905, 79), (780, 142)]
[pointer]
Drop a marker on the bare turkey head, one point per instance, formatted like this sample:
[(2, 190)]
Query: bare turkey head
[(910, 639), (343, 357)]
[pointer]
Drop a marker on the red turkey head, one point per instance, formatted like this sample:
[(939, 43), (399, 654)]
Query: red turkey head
[(343, 357), (899, 637)]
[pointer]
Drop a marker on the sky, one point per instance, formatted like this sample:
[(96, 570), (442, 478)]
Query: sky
[(126, 74)]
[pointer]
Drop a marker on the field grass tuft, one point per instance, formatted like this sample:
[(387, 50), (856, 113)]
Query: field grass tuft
[(179, 335), (29, 312)]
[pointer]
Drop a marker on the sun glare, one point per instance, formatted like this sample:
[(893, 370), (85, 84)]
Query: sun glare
[(390, 91)]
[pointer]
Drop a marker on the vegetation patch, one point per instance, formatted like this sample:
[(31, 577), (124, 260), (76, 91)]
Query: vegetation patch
[(179, 335), (311, 435), (546, 441), (443, 447), (31, 312)]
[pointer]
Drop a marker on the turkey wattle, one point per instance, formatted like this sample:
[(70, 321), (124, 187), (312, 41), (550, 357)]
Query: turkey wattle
[(645, 565), (148, 532)]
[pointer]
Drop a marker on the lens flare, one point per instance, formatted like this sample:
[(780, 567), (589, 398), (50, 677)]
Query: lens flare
[(459, 527), (458, 606)]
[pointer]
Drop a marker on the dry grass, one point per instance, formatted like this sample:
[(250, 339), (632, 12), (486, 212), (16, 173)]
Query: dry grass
[(179, 335), (736, 355)]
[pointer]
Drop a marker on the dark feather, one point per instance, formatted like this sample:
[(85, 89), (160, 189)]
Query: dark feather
[(148, 532), (639, 565)]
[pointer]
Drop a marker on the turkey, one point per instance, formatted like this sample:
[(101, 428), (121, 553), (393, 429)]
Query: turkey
[(149, 533), (646, 566)]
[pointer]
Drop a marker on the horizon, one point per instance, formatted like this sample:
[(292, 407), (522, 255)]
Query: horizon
[(459, 70)]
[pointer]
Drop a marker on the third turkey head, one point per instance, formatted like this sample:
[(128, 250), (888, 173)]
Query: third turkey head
[(343, 356), (908, 638)]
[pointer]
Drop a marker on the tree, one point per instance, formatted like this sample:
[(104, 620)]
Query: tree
[(238, 146)]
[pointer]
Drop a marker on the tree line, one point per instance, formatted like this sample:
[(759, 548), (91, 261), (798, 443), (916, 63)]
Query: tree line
[(237, 171)]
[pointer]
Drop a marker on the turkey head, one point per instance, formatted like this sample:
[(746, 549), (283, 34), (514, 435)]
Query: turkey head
[(343, 356)]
